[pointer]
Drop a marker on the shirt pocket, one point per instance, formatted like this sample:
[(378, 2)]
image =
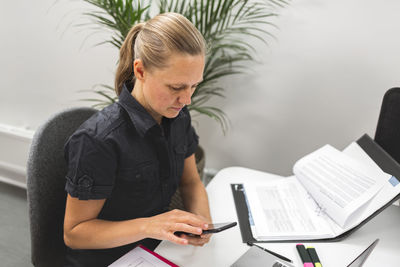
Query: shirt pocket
[(139, 182)]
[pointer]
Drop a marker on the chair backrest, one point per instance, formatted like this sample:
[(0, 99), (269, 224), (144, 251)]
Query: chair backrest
[(387, 133), (46, 170)]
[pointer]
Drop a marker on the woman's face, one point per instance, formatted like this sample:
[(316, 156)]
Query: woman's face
[(166, 91)]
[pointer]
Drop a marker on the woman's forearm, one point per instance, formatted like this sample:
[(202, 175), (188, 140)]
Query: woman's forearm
[(195, 199), (100, 234)]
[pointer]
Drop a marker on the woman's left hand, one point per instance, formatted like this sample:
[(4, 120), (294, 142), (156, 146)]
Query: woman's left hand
[(197, 240)]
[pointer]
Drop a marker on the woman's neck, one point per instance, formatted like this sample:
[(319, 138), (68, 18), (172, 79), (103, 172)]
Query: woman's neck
[(137, 93)]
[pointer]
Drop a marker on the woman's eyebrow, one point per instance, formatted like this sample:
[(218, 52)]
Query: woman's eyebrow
[(184, 84), (198, 82)]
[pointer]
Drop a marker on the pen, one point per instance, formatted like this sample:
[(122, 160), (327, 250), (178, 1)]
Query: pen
[(270, 252), (305, 258), (314, 256)]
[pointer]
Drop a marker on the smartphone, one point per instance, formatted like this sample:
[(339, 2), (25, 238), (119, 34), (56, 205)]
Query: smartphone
[(212, 228), (218, 227)]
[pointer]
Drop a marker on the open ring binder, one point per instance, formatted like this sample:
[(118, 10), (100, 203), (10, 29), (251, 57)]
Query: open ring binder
[(374, 151)]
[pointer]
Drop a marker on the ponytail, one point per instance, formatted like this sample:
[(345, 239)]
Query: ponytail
[(126, 57), (153, 42)]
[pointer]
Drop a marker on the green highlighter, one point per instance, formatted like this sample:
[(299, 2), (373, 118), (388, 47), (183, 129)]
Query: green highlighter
[(314, 256)]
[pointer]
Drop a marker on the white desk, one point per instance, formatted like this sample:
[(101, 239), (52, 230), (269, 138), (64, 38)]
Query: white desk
[(226, 247)]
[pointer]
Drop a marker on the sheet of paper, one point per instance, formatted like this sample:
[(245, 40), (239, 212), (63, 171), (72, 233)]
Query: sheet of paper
[(283, 209), (356, 152), (339, 183), (390, 189), (139, 257)]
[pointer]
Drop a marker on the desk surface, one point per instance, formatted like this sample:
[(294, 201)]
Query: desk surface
[(226, 247)]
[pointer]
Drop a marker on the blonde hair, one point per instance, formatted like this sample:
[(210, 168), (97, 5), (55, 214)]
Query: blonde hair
[(154, 41)]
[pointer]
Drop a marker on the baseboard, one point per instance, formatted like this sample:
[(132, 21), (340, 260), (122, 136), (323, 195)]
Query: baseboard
[(15, 143), (13, 182)]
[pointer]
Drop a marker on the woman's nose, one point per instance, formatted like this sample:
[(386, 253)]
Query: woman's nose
[(186, 96)]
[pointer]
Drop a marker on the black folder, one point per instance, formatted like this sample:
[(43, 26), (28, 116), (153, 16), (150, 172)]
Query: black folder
[(375, 152)]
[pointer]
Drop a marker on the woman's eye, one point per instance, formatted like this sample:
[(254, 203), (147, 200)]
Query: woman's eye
[(176, 88)]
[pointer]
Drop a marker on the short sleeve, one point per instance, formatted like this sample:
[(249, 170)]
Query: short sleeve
[(192, 139), (91, 167)]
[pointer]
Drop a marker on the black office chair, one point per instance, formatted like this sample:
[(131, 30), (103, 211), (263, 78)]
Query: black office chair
[(387, 133), (46, 171)]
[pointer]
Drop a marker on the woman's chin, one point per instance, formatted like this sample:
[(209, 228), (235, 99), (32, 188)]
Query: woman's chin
[(172, 113)]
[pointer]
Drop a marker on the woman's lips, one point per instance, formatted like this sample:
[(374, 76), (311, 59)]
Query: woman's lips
[(177, 109)]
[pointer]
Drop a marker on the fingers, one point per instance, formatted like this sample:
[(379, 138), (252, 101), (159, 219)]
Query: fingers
[(177, 240), (190, 218), (163, 227), (183, 227), (206, 236), (197, 241)]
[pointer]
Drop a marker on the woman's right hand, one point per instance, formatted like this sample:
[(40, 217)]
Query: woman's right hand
[(163, 226)]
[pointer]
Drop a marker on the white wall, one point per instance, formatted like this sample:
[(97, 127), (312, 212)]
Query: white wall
[(45, 60), (321, 82)]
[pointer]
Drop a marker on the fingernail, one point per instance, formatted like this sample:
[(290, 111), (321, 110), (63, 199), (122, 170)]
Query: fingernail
[(206, 225), (199, 230)]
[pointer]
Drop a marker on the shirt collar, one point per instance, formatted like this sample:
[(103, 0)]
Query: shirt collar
[(140, 117)]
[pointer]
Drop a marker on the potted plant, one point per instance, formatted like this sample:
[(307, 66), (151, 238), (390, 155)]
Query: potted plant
[(225, 24)]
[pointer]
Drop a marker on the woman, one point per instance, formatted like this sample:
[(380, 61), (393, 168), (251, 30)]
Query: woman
[(126, 162)]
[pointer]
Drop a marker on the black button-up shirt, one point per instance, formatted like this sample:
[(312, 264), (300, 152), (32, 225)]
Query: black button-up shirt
[(123, 155)]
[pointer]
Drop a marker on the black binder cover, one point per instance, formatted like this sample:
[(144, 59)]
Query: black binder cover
[(377, 153)]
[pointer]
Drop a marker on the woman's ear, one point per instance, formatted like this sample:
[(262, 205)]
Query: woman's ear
[(138, 69)]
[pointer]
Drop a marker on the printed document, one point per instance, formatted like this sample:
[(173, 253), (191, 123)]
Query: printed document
[(331, 192)]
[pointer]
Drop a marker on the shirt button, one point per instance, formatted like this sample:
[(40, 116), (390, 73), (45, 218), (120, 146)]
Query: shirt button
[(85, 181)]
